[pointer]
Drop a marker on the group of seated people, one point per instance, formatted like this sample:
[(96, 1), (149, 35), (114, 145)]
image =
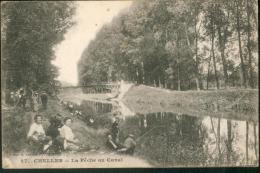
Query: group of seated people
[(114, 144), (58, 137)]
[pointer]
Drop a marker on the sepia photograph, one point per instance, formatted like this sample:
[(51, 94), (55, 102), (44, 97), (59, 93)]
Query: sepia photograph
[(129, 84)]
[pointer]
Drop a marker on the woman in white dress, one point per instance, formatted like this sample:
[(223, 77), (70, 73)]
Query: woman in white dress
[(70, 141)]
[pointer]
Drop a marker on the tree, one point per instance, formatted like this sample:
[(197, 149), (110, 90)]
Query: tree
[(197, 12), (32, 31), (210, 26), (238, 4), (160, 43), (250, 12), (222, 25)]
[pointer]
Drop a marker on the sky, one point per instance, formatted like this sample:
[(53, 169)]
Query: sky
[(90, 17)]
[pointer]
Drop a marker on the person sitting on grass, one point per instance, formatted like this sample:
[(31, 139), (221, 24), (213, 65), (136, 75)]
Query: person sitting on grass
[(128, 146), (36, 136), (54, 133), (110, 143), (70, 142)]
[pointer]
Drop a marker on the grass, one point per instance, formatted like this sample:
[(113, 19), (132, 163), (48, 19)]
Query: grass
[(16, 123), (236, 104)]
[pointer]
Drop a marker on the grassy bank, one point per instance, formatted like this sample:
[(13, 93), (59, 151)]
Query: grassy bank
[(16, 123), (235, 104)]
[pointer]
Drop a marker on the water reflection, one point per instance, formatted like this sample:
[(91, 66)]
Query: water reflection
[(95, 108), (170, 139)]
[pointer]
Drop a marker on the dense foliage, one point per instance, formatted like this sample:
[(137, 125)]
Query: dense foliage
[(29, 32), (177, 44)]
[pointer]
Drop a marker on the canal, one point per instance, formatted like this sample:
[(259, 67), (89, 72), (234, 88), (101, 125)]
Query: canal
[(174, 139)]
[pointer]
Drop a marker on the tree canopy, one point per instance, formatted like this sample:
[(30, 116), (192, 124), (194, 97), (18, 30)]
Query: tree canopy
[(177, 44), (30, 31)]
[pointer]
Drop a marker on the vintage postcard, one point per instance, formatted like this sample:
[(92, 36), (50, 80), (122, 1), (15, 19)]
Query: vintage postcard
[(129, 84)]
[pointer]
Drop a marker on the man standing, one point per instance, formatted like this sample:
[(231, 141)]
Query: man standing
[(36, 102), (22, 99), (29, 95), (44, 99), (12, 98)]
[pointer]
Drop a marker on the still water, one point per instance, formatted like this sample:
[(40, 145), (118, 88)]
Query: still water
[(170, 139)]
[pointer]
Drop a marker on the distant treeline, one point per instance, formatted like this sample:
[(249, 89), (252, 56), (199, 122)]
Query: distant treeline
[(177, 44), (29, 32)]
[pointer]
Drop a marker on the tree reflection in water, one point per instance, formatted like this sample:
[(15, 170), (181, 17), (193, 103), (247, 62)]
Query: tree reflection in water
[(170, 139)]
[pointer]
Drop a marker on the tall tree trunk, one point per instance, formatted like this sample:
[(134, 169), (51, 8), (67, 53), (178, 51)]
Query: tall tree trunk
[(213, 53), (197, 64), (160, 84), (222, 52), (196, 55), (251, 78), (137, 75), (178, 66), (140, 72), (208, 72), (243, 76), (179, 81), (197, 78), (143, 73)]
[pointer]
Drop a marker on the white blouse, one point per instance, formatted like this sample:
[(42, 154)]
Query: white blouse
[(67, 134), (36, 130)]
